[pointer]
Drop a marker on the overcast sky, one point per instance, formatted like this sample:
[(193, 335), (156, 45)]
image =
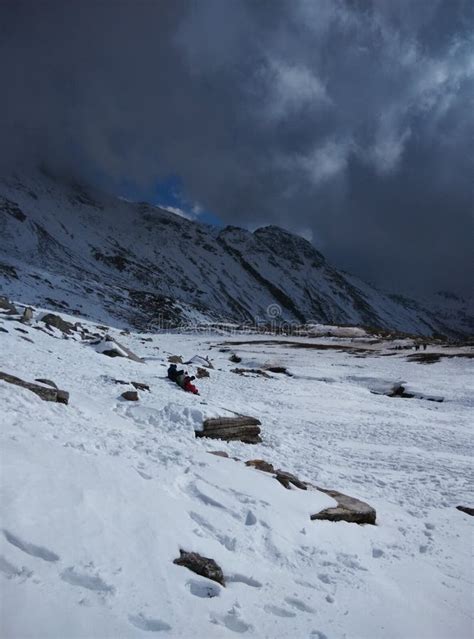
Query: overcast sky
[(347, 121)]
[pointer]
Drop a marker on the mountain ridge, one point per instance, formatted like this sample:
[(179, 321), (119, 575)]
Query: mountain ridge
[(105, 257)]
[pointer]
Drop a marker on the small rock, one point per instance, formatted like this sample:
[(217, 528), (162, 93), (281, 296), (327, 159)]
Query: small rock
[(3, 330), (140, 386), (219, 453), (260, 464), (175, 359), (203, 566), (235, 359), (202, 372), (130, 396), (466, 509)]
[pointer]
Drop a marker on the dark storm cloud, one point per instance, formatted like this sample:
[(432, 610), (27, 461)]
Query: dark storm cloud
[(347, 121)]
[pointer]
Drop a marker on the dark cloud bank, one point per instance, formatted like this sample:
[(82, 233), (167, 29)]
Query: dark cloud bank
[(348, 121)]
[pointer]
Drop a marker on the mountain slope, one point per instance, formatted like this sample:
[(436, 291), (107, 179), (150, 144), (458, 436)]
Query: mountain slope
[(100, 256)]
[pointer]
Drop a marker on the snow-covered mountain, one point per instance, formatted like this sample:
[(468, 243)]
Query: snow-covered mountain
[(100, 256)]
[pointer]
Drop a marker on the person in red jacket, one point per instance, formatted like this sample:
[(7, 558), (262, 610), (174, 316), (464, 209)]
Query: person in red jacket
[(189, 386)]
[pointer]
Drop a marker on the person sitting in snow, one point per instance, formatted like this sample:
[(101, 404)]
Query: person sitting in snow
[(173, 372), (189, 386)]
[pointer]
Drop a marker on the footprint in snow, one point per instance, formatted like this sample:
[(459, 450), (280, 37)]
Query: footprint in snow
[(91, 582), (203, 589), (10, 571), (300, 605), (232, 621), (30, 549), (278, 612), (147, 623), (238, 578)]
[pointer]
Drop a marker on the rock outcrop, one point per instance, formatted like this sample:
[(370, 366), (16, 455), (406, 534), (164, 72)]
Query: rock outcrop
[(47, 393)]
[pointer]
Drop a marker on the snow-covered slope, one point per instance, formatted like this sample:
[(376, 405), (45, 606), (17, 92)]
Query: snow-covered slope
[(99, 496), (103, 257)]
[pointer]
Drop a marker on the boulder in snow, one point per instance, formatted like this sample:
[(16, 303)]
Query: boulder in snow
[(6, 305), (130, 396), (240, 428), (175, 359), (466, 509), (348, 509), (113, 348), (202, 372), (203, 566)]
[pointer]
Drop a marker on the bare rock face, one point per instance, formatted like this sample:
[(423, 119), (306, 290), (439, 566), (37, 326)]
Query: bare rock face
[(57, 322), (46, 393), (203, 566), (466, 509), (348, 509), (240, 428), (130, 396), (260, 464)]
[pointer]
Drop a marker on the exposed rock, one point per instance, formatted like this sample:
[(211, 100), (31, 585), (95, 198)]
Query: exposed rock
[(260, 464), (48, 382), (57, 322), (21, 330), (47, 394), (286, 479), (348, 509), (6, 305), (140, 386), (203, 566), (235, 359), (466, 509), (3, 330), (218, 453), (251, 371), (27, 315), (130, 396), (240, 428), (175, 359), (202, 372)]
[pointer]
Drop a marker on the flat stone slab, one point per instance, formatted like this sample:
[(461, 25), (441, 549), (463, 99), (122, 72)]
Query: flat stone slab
[(239, 428), (348, 509), (47, 393)]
